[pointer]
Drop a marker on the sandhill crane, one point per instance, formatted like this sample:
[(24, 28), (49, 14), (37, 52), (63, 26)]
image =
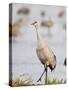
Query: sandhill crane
[(44, 53), (48, 24), (24, 11), (13, 29), (61, 16), (43, 14), (61, 13)]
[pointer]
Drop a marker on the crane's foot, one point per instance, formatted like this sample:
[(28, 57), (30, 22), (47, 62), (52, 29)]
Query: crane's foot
[(39, 80)]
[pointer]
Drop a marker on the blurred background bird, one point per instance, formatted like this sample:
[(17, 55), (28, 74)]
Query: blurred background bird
[(24, 10), (13, 29), (48, 24), (61, 14)]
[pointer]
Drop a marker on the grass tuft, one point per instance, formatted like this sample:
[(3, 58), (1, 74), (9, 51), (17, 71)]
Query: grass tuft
[(55, 81)]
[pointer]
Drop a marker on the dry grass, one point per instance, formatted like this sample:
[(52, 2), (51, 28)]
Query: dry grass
[(22, 80), (18, 82)]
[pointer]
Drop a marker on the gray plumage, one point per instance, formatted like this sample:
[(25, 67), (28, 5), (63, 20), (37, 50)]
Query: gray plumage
[(44, 53)]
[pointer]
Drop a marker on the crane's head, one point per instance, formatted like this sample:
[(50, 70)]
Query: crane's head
[(35, 24)]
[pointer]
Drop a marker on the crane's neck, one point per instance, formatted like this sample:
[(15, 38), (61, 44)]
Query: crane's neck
[(40, 42)]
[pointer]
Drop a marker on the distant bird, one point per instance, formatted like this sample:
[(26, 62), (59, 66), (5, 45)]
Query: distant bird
[(24, 11), (43, 14), (48, 24), (44, 53), (13, 29), (61, 13), (65, 62)]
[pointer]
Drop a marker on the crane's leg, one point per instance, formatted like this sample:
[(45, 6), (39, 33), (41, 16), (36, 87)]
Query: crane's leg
[(42, 74), (46, 75)]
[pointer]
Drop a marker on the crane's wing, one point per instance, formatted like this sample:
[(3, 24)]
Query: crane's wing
[(46, 56)]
